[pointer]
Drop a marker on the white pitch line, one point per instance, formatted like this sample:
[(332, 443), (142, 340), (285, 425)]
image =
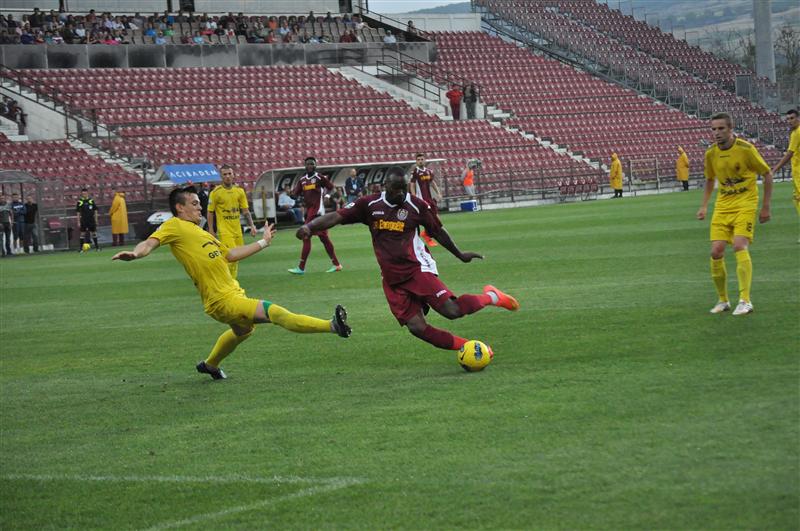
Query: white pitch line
[(182, 479), (253, 506)]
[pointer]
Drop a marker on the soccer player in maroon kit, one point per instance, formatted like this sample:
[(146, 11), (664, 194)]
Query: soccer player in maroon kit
[(410, 276), (313, 185), (421, 184)]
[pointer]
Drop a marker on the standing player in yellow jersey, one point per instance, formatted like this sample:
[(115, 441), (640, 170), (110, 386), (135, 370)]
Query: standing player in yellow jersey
[(225, 204), (206, 260), (735, 165), (791, 151)]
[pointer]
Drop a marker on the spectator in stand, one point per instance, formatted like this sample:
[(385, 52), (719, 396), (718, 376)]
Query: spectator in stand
[(160, 38), (186, 38), (615, 176), (271, 38), (241, 25), (6, 221), (328, 18), (18, 210), (348, 36), (169, 31), (454, 95), (306, 38), (289, 38), (119, 219), (347, 20), (6, 38), (358, 24), (411, 28), (353, 186), (470, 99), (11, 23), (149, 30), (197, 39), (287, 204), (80, 31), (682, 169), (389, 38), (31, 221), (284, 29), (310, 19), (68, 35), (26, 37), (36, 19)]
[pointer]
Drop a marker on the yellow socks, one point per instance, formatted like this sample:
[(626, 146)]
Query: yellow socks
[(226, 344), (720, 277), (302, 324), (744, 272)]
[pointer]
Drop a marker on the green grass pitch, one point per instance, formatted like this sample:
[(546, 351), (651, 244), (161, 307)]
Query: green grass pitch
[(615, 400)]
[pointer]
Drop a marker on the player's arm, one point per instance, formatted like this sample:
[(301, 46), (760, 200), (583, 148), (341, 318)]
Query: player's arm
[(141, 250), (211, 223), (764, 215), (709, 187), (317, 224), (435, 189), (249, 218), (786, 158), (243, 251), (443, 237)]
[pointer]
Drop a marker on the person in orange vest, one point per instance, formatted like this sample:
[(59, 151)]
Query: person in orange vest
[(468, 179)]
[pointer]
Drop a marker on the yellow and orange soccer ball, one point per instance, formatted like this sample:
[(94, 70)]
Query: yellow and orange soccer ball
[(475, 355)]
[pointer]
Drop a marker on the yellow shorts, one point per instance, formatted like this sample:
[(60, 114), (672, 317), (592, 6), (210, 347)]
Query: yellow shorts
[(236, 310), (231, 240), (726, 225)]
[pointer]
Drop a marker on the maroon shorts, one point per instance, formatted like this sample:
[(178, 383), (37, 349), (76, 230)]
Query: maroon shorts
[(416, 294)]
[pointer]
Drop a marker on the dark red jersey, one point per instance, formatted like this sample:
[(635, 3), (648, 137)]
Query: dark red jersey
[(423, 178), (312, 187), (399, 251)]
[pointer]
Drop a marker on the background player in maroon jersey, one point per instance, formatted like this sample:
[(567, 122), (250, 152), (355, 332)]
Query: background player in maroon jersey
[(410, 276), (313, 185), (423, 185)]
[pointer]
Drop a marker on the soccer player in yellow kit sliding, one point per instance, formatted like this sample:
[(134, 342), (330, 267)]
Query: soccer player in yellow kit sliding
[(206, 260), (735, 165), (225, 204)]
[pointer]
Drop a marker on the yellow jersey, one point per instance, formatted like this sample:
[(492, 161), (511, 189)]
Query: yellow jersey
[(736, 170), (794, 147), (203, 258), (227, 204)]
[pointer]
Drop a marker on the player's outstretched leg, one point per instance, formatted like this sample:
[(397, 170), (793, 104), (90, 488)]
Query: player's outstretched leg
[(305, 324), (435, 336)]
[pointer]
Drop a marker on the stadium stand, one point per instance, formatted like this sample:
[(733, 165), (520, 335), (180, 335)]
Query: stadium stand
[(66, 169), (653, 41), (246, 117), (551, 20)]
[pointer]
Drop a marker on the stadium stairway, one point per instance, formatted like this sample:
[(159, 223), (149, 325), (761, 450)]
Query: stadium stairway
[(10, 130), (364, 76)]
